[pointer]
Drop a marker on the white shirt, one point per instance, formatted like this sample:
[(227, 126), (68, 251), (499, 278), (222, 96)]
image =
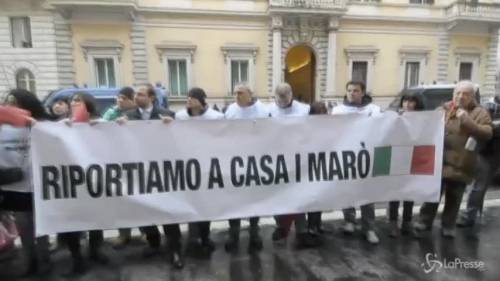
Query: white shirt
[(15, 153), (209, 114), (296, 109), (369, 109), (256, 110), (146, 113)]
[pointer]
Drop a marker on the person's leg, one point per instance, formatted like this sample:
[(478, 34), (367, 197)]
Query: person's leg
[(350, 220), (154, 240), (393, 218), (255, 241), (282, 229), (232, 242), (96, 239), (24, 222), (304, 239), (368, 223), (123, 239), (72, 241), (173, 234), (477, 193), (407, 226), (393, 210), (428, 212), (453, 197)]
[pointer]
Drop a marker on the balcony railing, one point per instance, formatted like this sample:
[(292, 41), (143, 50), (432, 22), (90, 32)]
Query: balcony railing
[(308, 4), (463, 9), (94, 2)]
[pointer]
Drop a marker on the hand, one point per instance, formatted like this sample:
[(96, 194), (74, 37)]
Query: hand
[(30, 121), (93, 122), (122, 120), (462, 114), (166, 119), (68, 122)]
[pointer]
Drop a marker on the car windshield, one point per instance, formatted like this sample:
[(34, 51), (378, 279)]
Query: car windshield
[(437, 97)]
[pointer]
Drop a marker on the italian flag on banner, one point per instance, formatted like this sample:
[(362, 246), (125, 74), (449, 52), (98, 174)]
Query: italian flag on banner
[(404, 160)]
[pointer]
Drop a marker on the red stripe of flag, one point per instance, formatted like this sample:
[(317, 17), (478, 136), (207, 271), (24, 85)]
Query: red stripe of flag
[(422, 162)]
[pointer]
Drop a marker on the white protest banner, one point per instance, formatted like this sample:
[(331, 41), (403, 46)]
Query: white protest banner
[(107, 175)]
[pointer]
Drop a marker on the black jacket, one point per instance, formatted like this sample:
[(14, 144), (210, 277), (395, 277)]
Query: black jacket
[(135, 114), (10, 175)]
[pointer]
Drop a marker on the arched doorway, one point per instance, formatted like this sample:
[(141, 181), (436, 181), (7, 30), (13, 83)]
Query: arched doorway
[(300, 72)]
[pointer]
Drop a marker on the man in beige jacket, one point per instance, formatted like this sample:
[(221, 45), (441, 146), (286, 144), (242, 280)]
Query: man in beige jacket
[(467, 125)]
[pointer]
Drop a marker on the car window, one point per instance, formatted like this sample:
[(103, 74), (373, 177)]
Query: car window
[(436, 97), (104, 103)]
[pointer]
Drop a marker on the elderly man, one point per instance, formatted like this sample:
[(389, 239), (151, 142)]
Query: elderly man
[(285, 106), (245, 107), (357, 101), (466, 124)]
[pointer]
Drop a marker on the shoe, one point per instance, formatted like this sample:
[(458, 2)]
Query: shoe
[(465, 222), (121, 242), (177, 260), (232, 244), (255, 244), (419, 226), (279, 234), (408, 229), (149, 252), (99, 257), (448, 233), (79, 268), (307, 240), (348, 228), (372, 237), (393, 229)]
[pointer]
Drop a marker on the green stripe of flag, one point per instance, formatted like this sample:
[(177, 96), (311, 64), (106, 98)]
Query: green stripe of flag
[(382, 161)]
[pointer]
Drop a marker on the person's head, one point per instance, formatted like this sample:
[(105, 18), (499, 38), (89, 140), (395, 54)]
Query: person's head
[(355, 91), (196, 99), (411, 102), (464, 95), (26, 100), (60, 107), (145, 96), (283, 95), (244, 95), (125, 98), (87, 99), (318, 108)]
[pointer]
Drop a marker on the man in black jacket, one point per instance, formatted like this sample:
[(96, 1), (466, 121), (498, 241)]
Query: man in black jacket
[(148, 110)]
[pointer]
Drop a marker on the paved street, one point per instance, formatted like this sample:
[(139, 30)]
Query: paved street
[(340, 258)]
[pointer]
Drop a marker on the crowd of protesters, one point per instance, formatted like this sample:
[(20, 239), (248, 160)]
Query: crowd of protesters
[(468, 130)]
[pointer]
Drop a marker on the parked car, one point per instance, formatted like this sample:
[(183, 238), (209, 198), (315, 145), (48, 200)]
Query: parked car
[(433, 95), (106, 97)]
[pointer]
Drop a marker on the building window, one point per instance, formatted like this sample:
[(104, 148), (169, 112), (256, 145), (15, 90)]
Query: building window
[(465, 71), (239, 72), (422, 2), (105, 72), (20, 30), (360, 71), (177, 77), (25, 80), (412, 73), (240, 62), (361, 61)]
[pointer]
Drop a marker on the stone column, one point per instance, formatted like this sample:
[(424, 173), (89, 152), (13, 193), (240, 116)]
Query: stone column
[(333, 24), (277, 25), (491, 86)]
